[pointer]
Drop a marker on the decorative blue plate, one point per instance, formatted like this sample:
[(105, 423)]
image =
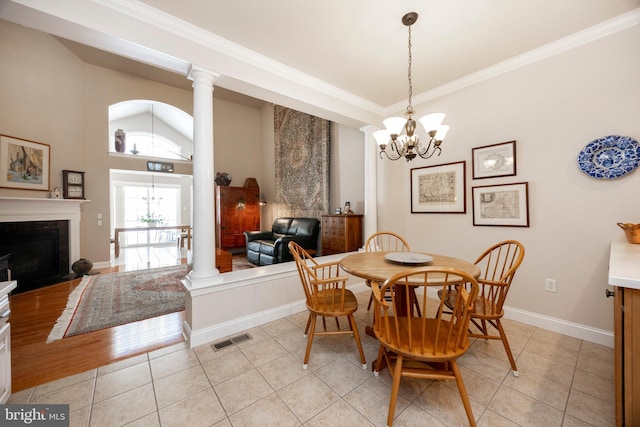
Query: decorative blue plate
[(609, 157)]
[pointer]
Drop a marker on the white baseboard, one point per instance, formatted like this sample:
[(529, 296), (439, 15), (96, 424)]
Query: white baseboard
[(576, 330), (241, 324), (222, 330)]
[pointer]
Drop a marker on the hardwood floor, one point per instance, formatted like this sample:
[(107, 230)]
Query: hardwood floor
[(33, 314)]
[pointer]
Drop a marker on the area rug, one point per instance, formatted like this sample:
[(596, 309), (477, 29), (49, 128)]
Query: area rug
[(106, 300), (240, 262)]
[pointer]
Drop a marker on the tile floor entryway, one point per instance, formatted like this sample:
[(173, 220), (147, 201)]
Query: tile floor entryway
[(260, 382)]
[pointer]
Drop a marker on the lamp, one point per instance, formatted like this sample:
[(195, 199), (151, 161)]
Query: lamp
[(408, 144)]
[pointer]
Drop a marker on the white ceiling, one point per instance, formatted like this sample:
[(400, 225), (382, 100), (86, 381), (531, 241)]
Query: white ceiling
[(345, 56), (361, 45)]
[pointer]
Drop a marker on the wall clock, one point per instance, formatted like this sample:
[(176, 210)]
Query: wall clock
[(72, 184)]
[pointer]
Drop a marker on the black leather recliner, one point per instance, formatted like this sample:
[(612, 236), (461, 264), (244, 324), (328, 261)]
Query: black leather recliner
[(272, 247)]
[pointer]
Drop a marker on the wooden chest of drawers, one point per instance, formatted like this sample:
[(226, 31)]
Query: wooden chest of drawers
[(341, 233)]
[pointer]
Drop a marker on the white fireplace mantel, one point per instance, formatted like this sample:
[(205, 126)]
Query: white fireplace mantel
[(18, 209)]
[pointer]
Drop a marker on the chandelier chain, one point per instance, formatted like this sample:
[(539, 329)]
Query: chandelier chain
[(410, 108)]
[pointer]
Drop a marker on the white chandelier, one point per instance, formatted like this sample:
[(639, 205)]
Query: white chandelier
[(408, 144)]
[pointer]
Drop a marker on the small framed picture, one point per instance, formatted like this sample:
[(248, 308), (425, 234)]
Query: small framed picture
[(494, 160), (338, 211), (439, 189), (505, 205), (160, 167), (24, 164)]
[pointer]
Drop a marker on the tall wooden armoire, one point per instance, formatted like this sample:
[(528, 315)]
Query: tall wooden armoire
[(237, 211)]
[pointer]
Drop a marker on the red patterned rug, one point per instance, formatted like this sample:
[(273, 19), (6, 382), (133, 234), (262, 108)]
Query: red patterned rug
[(112, 299)]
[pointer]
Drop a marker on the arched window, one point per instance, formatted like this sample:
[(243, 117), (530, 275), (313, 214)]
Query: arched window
[(150, 145), (150, 129)]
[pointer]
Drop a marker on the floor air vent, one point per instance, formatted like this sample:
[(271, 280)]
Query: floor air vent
[(231, 341)]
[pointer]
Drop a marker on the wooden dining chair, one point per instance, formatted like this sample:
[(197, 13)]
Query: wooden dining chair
[(423, 346), (498, 265), (384, 241), (327, 296)]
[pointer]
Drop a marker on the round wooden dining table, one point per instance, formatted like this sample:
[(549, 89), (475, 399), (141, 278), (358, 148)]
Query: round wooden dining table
[(375, 267)]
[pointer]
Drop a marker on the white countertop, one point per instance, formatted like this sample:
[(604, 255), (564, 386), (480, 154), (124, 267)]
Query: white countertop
[(624, 264)]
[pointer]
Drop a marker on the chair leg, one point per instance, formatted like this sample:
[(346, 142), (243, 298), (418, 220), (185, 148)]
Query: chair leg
[(395, 387), (378, 364), (507, 348), (463, 392), (356, 335), (306, 328), (312, 318), (370, 302), (414, 301), (484, 329)]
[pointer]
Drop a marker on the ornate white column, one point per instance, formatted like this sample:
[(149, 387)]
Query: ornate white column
[(370, 182), (203, 179)]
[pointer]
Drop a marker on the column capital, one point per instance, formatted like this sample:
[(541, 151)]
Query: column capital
[(368, 130), (198, 72)]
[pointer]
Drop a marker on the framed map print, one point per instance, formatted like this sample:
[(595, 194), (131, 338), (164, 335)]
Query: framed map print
[(439, 189), (494, 160), (505, 205)]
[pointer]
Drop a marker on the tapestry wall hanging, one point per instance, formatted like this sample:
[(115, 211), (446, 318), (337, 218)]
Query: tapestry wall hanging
[(302, 152)]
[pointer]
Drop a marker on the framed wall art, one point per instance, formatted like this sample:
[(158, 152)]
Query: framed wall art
[(24, 164), (494, 160), (439, 189), (505, 205)]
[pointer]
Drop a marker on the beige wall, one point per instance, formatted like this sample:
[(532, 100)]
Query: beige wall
[(552, 108)]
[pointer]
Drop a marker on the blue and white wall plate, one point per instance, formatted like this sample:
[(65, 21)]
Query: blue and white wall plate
[(609, 157)]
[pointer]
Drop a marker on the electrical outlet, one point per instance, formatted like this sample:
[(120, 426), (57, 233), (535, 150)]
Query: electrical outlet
[(551, 285)]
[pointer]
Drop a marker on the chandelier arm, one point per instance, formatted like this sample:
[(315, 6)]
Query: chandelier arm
[(426, 155), (422, 151), (398, 151), (388, 156)]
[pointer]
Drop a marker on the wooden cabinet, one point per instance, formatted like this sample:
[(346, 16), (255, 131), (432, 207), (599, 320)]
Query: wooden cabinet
[(237, 211), (341, 233), (624, 275), (224, 262), (627, 355)]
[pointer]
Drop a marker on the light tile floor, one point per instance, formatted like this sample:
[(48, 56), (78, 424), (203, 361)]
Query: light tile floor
[(260, 382)]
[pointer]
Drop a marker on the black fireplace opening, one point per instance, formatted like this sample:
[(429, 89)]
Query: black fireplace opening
[(38, 252)]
